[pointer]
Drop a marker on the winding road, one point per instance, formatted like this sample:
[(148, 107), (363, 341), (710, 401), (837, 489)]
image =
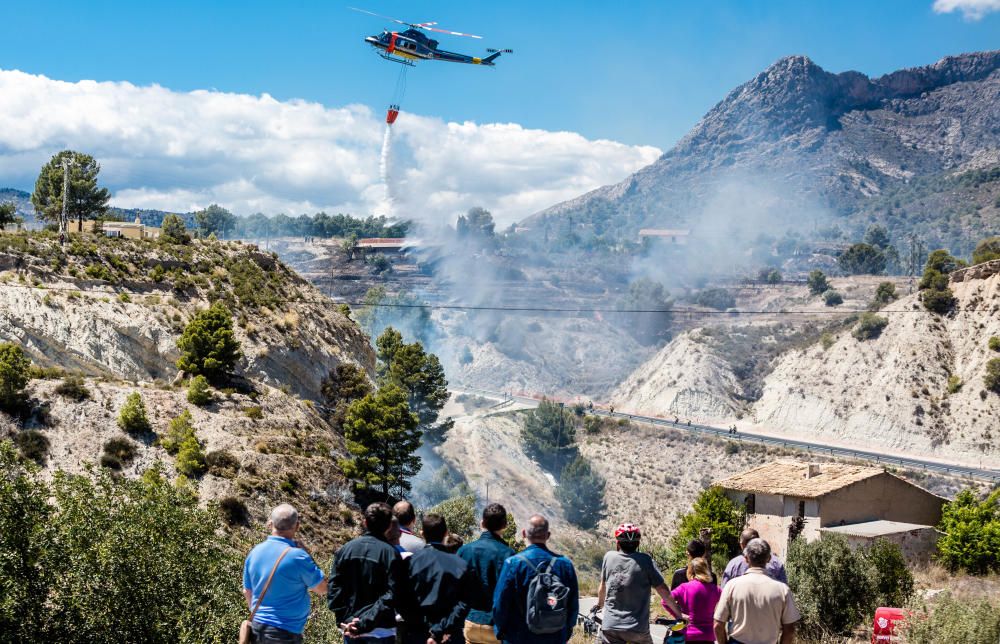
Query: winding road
[(941, 467)]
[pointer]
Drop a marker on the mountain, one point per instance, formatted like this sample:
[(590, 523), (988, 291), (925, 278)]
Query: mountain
[(797, 147)]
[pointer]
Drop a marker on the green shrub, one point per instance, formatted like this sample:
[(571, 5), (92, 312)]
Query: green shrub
[(715, 298), (992, 378), (890, 573), (190, 457), (87, 558), (827, 340), (938, 300), (157, 273), (124, 298), (208, 345), (179, 430), (833, 298), (885, 293), (948, 619), (99, 272), (954, 384), (222, 464), (121, 448), (869, 327), (714, 510), (862, 259), (994, 343), (199, 392), (74, 388), (970, 538), (15, 370), (986, 250), (33, 445), (817, 282), (111, 462), (459, 513), (132, 418), (769, 275), (254, 412), (831, 584), (233, 511)]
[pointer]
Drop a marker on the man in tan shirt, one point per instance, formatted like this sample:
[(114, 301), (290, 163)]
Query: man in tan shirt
[(761, 609)]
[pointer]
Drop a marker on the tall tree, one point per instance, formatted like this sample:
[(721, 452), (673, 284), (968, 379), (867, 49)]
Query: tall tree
[(85, 198), (581, 493), (862, 259), (478, 222), (8, 214), (548, 436), (382, 437), (173, 230), (14, 376), (416, 372), (214, 220)]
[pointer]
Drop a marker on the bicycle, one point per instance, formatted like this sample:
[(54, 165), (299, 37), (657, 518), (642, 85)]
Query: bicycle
[(592, 627)]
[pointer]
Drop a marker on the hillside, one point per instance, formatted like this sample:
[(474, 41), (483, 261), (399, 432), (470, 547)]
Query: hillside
[(891, 391), (800, 148), (113, 309)]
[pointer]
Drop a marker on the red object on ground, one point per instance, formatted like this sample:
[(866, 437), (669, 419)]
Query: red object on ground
[(390, 116), (884, 627)]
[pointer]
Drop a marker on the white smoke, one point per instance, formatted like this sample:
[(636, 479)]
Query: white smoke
[(385, 167)]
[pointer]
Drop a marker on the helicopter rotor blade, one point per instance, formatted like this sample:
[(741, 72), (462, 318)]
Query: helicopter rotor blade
[(445, 31), (378, 15)]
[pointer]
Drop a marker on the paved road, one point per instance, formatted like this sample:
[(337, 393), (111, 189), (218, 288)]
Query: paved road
[(954, 469), (658, 632)]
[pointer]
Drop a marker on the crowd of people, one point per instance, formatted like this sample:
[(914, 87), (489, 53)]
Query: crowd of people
[(393, 585)]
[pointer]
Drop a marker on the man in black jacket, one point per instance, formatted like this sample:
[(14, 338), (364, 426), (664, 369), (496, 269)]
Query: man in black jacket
[(438, 590), (366, 575)]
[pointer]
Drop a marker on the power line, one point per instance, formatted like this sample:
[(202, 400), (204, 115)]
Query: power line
[(515, 309)]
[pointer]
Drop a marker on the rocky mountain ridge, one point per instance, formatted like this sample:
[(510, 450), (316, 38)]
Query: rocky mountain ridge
[(798, 143)]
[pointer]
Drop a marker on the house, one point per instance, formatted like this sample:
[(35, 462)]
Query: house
[(129, 229), (915, 541), (664, 236), (826, 496), (381, 244)]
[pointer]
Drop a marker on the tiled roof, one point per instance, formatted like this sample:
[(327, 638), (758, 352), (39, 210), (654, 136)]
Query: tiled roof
[(791, 478)]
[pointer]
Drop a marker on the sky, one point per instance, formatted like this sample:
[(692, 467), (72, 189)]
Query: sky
[(278, 105)]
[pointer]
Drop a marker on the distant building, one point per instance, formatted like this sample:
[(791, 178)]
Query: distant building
[(664, 236), (831, 498), (128, 229), (382, 245)]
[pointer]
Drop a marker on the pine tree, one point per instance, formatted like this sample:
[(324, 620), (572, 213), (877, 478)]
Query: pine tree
[(14, 376), (85, 198), (172, 230), (208, 345), (548, 436), (581, 493), (199, 392), (382, 437)]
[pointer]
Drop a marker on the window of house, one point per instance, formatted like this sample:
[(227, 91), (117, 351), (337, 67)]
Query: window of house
[(750, 504), (802, 509)]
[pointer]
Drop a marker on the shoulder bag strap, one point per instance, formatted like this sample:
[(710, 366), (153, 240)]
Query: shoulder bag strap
[(267, 584)]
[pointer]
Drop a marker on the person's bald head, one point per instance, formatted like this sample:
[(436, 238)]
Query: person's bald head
[(747, 536), (537, 530), (405, 514), (284, 520)]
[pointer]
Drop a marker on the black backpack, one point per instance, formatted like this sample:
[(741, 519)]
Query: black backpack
[(547, 605)]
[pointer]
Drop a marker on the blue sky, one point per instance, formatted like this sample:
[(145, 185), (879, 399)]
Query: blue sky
[(635, 72)]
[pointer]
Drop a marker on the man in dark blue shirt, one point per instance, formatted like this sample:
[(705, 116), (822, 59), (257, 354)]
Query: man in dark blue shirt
[(511, 595), (485, 558), (438, 589)]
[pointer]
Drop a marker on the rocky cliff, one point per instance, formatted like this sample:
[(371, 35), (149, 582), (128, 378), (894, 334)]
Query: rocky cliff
[(799, 143)]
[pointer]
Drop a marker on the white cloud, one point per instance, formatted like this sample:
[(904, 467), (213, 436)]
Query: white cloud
[(180, 151), (971, 9)]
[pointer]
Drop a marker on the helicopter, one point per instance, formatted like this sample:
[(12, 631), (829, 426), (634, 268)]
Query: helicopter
[(412, 45)]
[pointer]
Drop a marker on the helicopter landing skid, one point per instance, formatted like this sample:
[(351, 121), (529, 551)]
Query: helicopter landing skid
[(394, 59)]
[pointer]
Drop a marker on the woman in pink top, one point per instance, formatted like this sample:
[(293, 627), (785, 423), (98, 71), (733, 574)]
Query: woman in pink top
[(698, 598)]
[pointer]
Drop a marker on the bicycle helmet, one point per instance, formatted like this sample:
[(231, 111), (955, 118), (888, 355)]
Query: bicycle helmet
[(627, 532)]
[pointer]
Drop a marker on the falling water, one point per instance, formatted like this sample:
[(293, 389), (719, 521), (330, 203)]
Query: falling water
[(389, 198)]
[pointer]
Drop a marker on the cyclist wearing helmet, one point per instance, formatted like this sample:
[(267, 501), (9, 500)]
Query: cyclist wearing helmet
[(627, 577)]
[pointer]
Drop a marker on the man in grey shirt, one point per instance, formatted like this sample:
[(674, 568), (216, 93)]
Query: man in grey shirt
[(407, 517), (738, 566), (627, 578)]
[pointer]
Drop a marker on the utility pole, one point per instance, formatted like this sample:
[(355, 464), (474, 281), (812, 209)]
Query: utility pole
[(65, 197)]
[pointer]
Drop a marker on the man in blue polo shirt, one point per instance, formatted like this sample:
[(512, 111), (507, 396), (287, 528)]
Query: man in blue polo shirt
[(282, 614)]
